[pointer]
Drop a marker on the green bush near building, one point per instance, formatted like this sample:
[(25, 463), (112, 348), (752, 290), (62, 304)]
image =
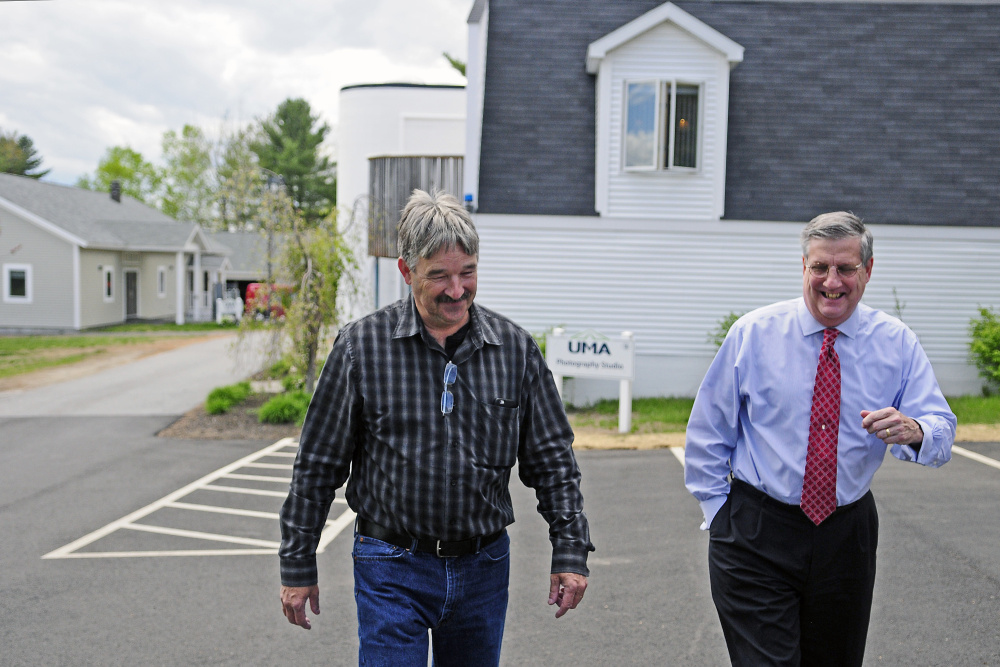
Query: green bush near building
[(287, 408), (222, 399)]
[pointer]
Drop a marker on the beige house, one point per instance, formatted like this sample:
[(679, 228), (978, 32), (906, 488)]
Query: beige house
[(73, 259)]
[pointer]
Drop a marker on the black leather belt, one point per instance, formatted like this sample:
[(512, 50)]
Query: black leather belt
[(439, 548)]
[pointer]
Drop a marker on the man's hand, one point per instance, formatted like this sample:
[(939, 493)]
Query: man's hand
[(892, 426), (293, 604), (566, 589)]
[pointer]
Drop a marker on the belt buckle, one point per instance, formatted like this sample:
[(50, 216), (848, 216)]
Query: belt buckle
[(437, 550)]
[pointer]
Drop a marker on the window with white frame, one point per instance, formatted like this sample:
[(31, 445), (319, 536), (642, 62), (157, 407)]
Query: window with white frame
[(161, 281), (17, 283), (661, 125), (108, 287)]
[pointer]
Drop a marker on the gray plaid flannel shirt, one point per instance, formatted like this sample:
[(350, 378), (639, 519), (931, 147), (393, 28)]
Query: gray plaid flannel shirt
[(376, 416)]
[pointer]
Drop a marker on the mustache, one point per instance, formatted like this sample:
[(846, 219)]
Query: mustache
[(444, 298)]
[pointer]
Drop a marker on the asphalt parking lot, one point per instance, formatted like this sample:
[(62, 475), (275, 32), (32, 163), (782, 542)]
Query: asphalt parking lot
[(119, 551)]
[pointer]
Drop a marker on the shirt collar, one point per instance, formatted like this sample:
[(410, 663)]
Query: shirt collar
[(410, 324), (809, 325)]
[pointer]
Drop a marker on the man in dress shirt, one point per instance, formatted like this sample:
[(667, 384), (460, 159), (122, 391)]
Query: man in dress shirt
[(790, 591), (428, 403)]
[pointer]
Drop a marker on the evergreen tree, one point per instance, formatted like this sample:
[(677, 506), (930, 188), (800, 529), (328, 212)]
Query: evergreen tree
[(290, 147), (18, 156)]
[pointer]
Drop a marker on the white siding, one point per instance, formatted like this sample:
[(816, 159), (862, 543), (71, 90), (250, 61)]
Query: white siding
[(665, 53), (151, 304), (94, 311), (671, 282), (51, 262)]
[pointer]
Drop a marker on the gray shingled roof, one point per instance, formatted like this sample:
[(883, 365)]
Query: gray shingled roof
[(247, 250), (888, 109), (95, 218)]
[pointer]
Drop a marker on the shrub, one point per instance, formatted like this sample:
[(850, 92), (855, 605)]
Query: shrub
[(294, 381), (221, 399), (985, 345), (285, 409), (279, 369), (718, 334)]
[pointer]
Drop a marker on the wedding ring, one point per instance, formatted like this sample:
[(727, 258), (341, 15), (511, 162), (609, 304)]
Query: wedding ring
[(887, 433)]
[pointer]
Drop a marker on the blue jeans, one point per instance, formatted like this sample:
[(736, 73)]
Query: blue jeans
[(401, 595)]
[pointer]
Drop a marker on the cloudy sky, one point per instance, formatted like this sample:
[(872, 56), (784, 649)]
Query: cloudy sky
[(78, 76)]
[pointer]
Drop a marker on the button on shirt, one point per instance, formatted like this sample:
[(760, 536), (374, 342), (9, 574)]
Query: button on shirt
[(751, 414), (376, 414)]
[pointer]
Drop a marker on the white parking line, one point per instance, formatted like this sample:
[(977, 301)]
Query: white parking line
[(198, 535), (259, 478), (270, 466), (245, 491), (678, 453), (223, 510), (975, 456), (173, 501)]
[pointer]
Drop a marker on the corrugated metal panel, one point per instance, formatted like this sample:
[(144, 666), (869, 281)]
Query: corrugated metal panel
[(663, 53), (391, 181), (672, 285)]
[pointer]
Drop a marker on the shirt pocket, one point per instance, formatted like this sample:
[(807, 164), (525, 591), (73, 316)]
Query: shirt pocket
[(496, 432)]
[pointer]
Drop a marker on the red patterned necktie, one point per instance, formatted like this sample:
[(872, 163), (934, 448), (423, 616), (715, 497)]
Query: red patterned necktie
[(819, 486)]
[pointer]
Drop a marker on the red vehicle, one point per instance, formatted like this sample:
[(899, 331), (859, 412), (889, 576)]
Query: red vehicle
[(263, 302)]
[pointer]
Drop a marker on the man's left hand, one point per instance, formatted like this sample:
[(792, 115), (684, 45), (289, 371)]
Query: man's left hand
[(892, 426), (566, 589)]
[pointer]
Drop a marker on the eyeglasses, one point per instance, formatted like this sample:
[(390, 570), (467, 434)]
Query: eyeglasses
[(447, 398), (843, 270)]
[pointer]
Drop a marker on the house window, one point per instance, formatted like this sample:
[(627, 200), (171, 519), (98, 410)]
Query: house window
[(108, 287), (17, 283), (161, 281), (661, 125)]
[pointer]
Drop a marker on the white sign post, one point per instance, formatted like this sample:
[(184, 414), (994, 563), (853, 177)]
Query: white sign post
[(594, 355)]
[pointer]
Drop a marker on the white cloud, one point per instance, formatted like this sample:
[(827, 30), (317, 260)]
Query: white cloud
[(78, 76)]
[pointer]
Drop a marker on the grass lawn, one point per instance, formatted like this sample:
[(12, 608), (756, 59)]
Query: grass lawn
[(24, 354), (670, 415)]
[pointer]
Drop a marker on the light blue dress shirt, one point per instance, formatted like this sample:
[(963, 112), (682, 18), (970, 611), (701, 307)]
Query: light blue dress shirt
[(751, 415)]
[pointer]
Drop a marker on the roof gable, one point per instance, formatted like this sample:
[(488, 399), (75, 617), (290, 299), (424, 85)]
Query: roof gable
[(667, 12), (92, 219)]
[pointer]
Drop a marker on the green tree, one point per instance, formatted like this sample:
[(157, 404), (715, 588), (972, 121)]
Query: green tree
[(189, 179), (241, 183), (984, 346), (138, 178), (317, 261), (18, 156), (290, 146)]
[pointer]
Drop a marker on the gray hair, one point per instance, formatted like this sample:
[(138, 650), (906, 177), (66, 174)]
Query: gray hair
[(836, 226), (434, 222)]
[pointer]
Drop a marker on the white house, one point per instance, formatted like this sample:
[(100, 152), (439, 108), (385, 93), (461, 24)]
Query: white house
[(647, 166), (73, 259)]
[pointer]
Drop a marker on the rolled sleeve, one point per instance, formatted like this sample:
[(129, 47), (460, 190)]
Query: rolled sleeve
[(321, 467), (547, 464)]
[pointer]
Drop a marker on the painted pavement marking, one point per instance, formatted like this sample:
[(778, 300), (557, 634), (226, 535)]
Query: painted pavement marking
[(250, 546), (975, 456)]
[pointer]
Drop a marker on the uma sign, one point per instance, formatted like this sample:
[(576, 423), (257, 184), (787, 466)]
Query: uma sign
[(594, 355)]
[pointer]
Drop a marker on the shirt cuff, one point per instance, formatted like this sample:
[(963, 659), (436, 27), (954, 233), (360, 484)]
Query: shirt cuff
[(710, 508), (298, 572), (568, 559)]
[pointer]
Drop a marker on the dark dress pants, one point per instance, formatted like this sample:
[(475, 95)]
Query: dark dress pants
[(789, 592)]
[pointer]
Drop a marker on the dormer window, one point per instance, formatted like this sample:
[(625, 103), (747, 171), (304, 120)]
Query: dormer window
[(661, 125), (662, 104)]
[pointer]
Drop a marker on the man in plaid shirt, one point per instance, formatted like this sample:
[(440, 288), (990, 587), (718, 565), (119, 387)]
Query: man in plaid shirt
[(427, 404)]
